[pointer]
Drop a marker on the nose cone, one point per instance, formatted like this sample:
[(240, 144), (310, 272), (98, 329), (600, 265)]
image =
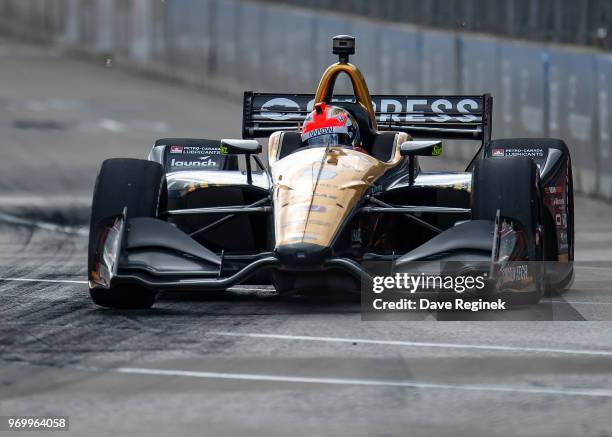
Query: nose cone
[(315, 190), (302, 254)]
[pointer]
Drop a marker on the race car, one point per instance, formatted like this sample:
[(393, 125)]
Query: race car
[(207, 215)]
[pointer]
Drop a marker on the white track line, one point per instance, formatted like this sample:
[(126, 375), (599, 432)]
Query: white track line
[(577, 265), (589, 392), (60, 281), (575, 302), (603, 353)]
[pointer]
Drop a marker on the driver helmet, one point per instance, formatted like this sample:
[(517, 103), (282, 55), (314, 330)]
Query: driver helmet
[(329, 125)]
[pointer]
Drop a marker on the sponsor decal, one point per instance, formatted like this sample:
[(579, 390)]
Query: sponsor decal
[(330, 186), (203, 161), (223, 150), (515, 273), (437, 150), (324, 131), (437, 110), (305, 207), (316, 208), (533, 152), (325, 195), (553, 189), (195, 150), (498, 152), (399, 109), (558, 201)]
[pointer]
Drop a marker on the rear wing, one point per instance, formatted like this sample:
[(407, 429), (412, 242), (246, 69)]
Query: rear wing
[(444, 117)]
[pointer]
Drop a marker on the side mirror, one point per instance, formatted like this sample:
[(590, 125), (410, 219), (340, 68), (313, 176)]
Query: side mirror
[(240, 147), (421, 148)]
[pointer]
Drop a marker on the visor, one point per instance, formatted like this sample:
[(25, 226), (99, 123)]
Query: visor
[(328, 140), (326, 136)]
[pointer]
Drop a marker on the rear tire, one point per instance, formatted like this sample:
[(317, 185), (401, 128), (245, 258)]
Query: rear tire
[(140, 186), (512, 185)]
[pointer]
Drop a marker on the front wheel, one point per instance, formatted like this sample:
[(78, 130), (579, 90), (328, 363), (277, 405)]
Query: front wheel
[(139, 186), (512, 186)]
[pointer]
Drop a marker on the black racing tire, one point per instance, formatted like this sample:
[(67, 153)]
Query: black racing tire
[(140, 186), (559, 288), (559, 275), (512, 186)]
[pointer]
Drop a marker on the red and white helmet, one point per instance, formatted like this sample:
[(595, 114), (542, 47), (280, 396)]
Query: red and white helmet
[(330, 126)]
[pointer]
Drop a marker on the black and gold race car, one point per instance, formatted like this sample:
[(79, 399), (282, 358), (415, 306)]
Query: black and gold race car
[(203, 214)]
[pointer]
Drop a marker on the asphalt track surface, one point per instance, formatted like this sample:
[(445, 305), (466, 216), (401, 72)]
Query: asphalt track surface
[(247, 362)]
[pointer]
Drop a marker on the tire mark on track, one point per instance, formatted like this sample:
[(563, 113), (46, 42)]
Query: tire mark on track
[(47, 226)]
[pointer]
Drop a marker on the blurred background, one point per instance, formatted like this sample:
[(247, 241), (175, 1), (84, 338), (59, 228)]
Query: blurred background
[(584, 22), (545, 62)]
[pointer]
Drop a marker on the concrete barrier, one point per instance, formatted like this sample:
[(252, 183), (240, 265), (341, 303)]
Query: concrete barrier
[(572, 116), (604, 124), (233, 45)]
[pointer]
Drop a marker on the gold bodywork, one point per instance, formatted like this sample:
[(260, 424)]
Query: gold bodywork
[(316, 189)]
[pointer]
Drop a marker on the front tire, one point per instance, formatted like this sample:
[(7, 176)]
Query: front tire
[(512, 186), (140, 186)]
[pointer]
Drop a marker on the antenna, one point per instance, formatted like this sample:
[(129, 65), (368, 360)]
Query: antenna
[(343, 46)]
